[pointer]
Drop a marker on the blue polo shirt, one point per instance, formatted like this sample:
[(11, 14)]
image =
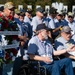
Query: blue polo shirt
[(60, 23), (41, 48), (19, 24), (61, 43)]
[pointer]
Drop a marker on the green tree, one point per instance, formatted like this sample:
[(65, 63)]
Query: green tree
[(70, 3)]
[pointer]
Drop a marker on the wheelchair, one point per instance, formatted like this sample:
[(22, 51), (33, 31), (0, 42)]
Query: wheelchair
[(32, 68)]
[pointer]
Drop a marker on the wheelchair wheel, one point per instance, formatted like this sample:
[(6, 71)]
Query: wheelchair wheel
[(27, 70), (23, 70)]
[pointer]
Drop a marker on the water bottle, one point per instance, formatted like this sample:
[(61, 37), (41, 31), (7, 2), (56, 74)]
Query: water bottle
[(50, 56)]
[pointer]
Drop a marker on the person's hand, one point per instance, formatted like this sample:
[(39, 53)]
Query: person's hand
[(49, 34), (25, 38), (47, 59), (60, 27), (71, 48), (74, 58), (34, 31)]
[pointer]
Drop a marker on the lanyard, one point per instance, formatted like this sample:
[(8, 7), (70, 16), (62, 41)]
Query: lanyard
[(44, 47)]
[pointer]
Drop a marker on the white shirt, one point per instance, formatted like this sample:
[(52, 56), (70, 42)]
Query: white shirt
[(26, 19), (35, 22), (51, 23), (72, 26)]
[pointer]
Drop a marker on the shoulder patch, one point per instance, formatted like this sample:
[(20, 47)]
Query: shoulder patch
[(48, 19)]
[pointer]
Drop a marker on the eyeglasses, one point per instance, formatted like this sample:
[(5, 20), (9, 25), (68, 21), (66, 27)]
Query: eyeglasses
[(12, 9), (59, 15), (43, 30), (70, 17), (68, 32), (29, 15)]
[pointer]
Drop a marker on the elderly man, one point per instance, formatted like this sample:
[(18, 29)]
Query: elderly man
[(37, 19), (28, 17), (51, 22), (22, 38), (8, 24), (71, 22), (59, 21), (40, 49), (7, 16), (64, 41)]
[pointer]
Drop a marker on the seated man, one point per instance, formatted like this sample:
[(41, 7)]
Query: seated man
[(40, 49), (64, 41)]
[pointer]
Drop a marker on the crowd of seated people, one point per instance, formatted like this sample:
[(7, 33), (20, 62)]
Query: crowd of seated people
[(46, 37)]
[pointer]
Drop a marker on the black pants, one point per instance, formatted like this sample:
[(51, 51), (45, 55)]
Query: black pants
[(1, 68), (17, 64)]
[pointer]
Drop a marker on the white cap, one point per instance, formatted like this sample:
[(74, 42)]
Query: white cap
[(70, 14)]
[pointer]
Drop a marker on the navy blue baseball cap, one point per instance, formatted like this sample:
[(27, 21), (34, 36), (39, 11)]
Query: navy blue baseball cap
[(52, 10), (40, 9), (42, 26)]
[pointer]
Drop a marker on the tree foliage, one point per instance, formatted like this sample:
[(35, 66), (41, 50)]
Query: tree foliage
[(39, 2)]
